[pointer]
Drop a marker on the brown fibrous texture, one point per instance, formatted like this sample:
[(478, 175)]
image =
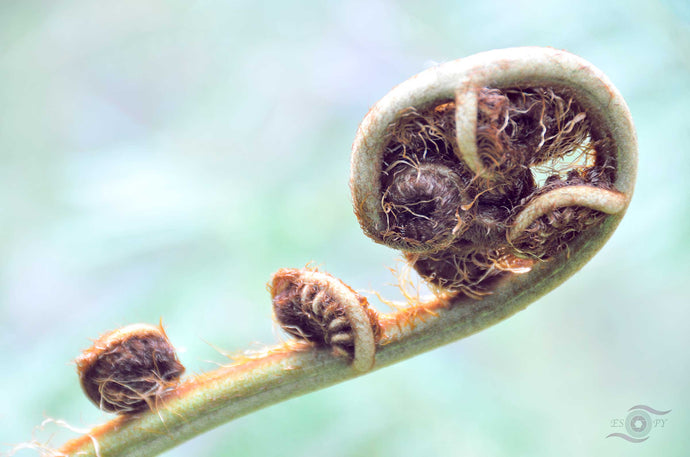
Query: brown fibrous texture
[(452, 224), (422, 180), (309, 310), (422, 205), (552, 232), (517, 129), (469, 271), (130, 374)]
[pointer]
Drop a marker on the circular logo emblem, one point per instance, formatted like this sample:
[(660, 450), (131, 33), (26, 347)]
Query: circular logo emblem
[(638, 423)]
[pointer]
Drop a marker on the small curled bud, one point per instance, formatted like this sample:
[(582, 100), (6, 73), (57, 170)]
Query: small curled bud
[(128, 370), (421, 204), (321, 309)]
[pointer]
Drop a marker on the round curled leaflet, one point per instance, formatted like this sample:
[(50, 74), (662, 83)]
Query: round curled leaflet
[(484, 167), (130, 369), (316, 307)]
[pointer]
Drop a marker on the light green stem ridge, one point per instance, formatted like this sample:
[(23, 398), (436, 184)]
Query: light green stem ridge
[(227, 393)]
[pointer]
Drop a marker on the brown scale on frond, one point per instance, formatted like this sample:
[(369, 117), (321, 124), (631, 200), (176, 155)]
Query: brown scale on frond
[(517, 129), (544, 124), (468, 270), (493, 141), (453, 225), (421, 135), (551, 233)]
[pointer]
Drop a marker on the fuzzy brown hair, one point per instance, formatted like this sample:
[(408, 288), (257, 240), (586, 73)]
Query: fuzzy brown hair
[(127, 371), (307, 310), (453, 225)]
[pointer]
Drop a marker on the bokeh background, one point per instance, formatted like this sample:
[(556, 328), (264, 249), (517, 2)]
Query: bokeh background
[(160, 159)]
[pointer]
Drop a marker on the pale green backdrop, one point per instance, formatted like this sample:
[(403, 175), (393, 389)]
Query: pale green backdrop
[(161, 159)]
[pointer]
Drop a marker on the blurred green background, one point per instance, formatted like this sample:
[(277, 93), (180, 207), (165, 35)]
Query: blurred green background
[(161, 159)]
